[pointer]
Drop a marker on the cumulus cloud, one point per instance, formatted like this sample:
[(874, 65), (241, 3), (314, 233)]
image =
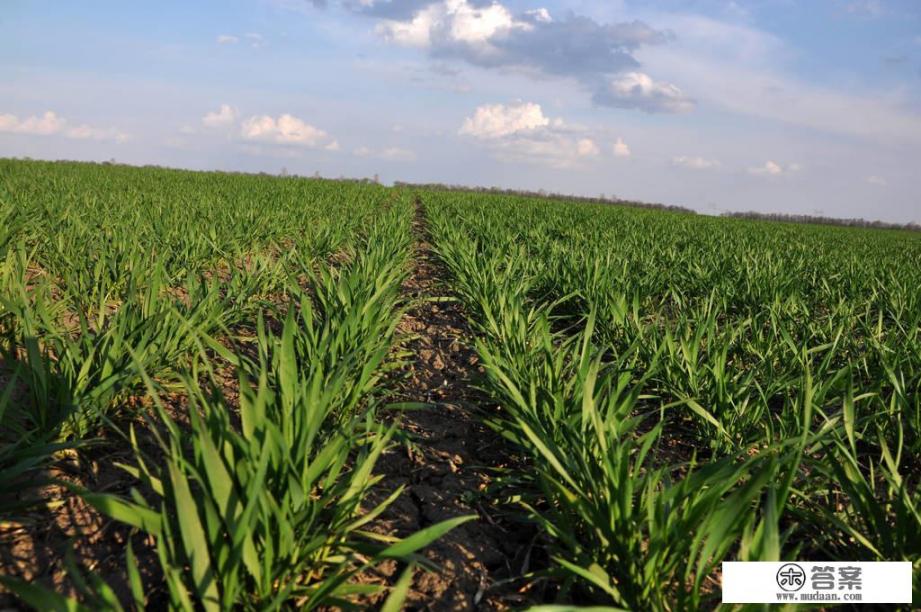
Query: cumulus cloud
[(227, 39), (388, 154), (492, 36), (640, 91), (224, 116), (469, 25), (586, 147), (620, 148), (498, 120), (521, 132), (286, 130), (772, 168), (454, 23), (696, 163), (51, 124)]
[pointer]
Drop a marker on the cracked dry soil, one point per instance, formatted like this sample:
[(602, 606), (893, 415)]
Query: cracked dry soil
[(452, 458)]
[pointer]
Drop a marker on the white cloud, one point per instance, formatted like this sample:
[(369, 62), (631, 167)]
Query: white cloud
[(541, 15), (586, 147), (489, 35), (696, 163), (745, 71), (255, 39), (772, 168), (476, 26), (877, 180), (388, 154), (639, 90), (224, 116), (287, 130), (51, 124), (413, 33), (498, 120), (522, 133), (452, 21), (620, 148)]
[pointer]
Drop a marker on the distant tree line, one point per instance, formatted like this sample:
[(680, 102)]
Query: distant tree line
[(546, 195), (821, 220)]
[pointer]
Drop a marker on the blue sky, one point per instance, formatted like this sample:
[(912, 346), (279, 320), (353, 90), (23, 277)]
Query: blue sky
[(788, 106)]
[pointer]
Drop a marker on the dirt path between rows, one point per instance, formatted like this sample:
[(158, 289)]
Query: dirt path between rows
[(452, 458)]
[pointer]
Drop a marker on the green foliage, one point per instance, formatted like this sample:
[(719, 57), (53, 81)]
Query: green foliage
[(121, 285), (684, 390), (690, 390)]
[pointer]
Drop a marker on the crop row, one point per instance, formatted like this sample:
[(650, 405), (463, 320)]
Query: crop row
[(232, 331), (695, 390)]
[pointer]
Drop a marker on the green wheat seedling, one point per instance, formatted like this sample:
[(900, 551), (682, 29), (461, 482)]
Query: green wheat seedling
[(755, 345)]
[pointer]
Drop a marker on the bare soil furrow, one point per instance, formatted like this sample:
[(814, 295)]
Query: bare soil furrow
[(452, 456)]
